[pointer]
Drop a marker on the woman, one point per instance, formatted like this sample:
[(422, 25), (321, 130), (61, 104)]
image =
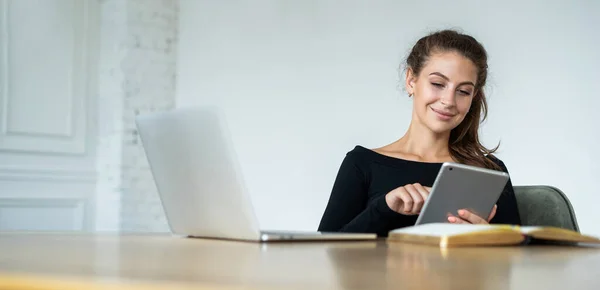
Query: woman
[(382, 189)]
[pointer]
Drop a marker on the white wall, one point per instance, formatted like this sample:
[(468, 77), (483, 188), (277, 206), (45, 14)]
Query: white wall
[(305, 81), (73, 74), (136, 75), (47, 129)]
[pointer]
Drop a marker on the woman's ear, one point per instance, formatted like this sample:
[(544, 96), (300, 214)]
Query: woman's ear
[(410, 82)]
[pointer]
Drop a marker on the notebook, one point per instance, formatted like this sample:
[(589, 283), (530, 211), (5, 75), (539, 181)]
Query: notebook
[(454, 235)]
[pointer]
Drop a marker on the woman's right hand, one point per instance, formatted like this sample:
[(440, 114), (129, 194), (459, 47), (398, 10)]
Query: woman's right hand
[(408, 199)]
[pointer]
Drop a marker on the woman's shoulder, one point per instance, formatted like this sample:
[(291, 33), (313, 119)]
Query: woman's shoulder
[(497, 161), (365, 155), (360, 152)]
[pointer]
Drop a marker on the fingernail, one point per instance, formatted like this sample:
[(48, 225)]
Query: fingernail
[(451, 219), (461, 212)]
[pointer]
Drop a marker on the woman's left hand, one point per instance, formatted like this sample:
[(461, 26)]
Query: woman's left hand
[(467, 217)]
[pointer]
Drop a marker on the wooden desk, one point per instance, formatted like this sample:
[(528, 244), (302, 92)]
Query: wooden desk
[(69, 261)]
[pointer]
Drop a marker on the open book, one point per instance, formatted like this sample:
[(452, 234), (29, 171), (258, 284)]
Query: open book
[(450, 235)]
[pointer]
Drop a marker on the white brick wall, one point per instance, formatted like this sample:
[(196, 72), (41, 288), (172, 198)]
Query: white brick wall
[(137, 75), (112, 53)]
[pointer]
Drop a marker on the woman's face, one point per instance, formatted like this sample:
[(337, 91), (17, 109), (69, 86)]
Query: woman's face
[(443, 91)]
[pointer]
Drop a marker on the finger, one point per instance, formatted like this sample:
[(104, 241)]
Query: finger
[(397, 204), (424, 195), (406, 200), (456, 220), (416, 198), (493, 213), (471, 217), (422, 190)]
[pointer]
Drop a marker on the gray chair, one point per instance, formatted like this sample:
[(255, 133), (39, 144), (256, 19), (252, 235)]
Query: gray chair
[(541, 205)]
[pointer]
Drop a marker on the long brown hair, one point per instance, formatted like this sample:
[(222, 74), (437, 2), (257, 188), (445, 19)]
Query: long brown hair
[(464, 143)]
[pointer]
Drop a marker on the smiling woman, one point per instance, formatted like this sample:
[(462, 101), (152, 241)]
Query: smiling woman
[(450, 70), (377, 190)]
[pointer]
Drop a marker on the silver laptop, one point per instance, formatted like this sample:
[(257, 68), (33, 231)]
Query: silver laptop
[(200, 182)]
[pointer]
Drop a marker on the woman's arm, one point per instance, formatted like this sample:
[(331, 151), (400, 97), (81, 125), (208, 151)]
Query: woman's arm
[(348, 209), (507, 211)]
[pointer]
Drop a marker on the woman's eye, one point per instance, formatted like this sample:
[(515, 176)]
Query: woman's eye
[(437, 85), (465, 93)]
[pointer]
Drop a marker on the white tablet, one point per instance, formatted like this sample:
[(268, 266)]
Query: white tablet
[(459, 186)]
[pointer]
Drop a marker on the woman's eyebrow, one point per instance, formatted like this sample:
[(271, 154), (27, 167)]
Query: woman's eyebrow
[(447, 79)]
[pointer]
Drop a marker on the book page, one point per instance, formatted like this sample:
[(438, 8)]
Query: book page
[(528, 229), (444, 229), (556, 233)]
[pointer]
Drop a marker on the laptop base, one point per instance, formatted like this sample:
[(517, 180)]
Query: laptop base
[(266, 236)]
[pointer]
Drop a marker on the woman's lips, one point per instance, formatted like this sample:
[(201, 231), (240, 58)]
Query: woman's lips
[(443, 115)]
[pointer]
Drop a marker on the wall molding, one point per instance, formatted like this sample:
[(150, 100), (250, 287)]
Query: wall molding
[(42, 202), (4, 80), (47, 175), (78, 207), (73, 139)]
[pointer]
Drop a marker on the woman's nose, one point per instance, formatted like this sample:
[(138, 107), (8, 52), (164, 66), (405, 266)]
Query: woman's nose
[(448, 98)]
